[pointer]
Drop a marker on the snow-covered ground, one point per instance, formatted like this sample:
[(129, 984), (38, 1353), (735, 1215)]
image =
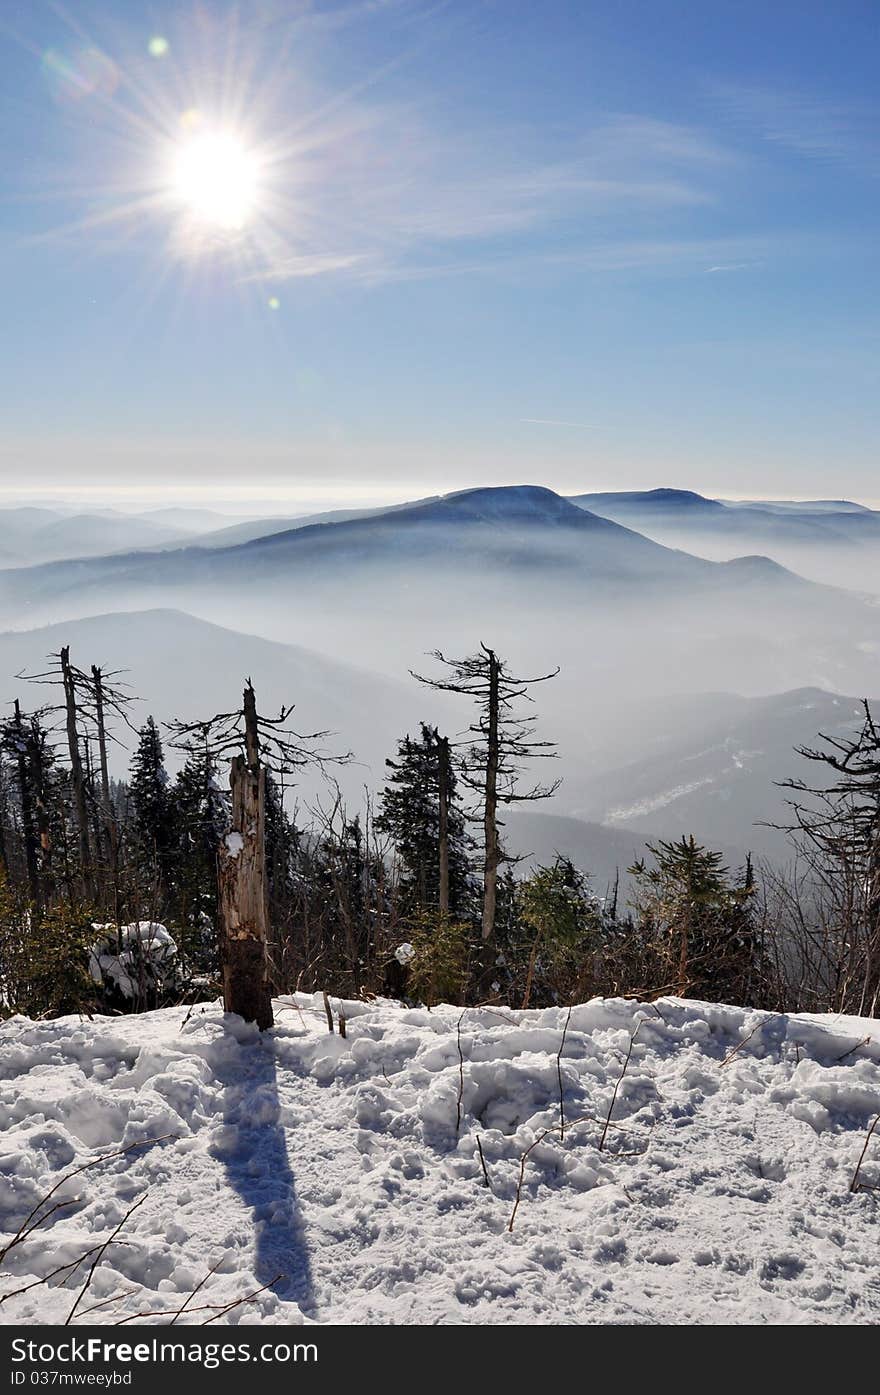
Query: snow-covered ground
[(723, 1195)]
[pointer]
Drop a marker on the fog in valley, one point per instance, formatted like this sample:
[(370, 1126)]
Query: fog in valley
[(692, 657)]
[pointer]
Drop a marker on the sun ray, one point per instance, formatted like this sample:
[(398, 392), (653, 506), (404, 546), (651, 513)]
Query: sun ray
[(217, 147)]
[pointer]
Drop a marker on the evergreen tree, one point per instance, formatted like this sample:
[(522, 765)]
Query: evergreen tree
[(562, 916), (38, 788), (199, 817), (151, 805), (697, 917), (410, 816)]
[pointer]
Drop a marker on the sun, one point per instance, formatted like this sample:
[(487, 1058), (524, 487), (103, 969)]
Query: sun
[(216, 179)]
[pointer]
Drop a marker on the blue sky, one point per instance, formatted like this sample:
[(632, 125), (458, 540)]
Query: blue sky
[(580, 244)]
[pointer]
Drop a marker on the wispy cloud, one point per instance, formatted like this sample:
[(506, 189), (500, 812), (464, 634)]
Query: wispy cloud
[(556, 421), (672, 256), (813, 127), (393, 190), (297, 267), (371, 180), (731, 266)]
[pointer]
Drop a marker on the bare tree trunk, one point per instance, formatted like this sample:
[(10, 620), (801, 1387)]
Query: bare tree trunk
[(490, 816), (97, 842), (43, 827), (76, 773), (27, 813), (443, 821), (4, 860), (503, 742), (110, 829), (244, 919), (530, 972), (683, 957)]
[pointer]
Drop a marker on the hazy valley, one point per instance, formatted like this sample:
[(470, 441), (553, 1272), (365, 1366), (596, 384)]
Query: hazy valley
[(685, 680)]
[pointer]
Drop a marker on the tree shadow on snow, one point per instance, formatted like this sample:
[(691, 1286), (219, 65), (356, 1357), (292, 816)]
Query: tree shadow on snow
[(258, 1168)]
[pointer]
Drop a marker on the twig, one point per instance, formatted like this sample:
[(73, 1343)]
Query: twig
[(159, 1312), (582, 1118), (101, 1251), (342, 1021), (198, 1286), (757, 1028), (25, 1229), (522, 1173), (607, 1124), (218, 1309), (594, 1119), (855, 1185), (237, 1304), (663, 1019), (494, 1012), (486, 1181), (59, 1206), (72, 1265), (294, 1007), (853, 1049), (126, 1293), (328, 1011), (559, 1076), (460, 1074)]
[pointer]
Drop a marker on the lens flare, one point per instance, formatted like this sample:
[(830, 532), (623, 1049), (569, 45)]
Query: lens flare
[(83, 72)]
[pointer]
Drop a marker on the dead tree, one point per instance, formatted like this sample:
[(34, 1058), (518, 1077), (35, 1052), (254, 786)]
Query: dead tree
[(243, 899), (252, 743), (16, 739), (497, 745), (77, 773), (836, 830), (443, 771), (111, 828), (88, 698)]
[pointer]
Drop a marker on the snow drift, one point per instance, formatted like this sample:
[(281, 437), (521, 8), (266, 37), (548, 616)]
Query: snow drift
[(331, 1179)]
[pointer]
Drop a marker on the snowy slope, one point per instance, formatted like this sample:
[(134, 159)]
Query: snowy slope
[(723, 1195)]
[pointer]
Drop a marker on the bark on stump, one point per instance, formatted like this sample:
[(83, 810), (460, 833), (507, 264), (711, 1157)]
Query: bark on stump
[(243, 902)]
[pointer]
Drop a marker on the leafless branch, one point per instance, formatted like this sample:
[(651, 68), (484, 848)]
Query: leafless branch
[(855, 1185), (102, 1249), (607, 1124), (559, 1075)]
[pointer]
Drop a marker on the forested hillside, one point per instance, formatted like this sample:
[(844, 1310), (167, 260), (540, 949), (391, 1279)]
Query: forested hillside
[(124, 894)]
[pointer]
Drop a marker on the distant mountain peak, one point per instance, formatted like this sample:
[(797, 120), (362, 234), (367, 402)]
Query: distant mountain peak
[(651, 500), (508, 500), (762, 569), (678, 496)]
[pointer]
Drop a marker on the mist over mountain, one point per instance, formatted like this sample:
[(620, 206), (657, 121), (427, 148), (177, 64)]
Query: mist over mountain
[(546, 580), (831, 541), (660, 709), (178, 666), (35, 535), (704, 762), (715, 763)]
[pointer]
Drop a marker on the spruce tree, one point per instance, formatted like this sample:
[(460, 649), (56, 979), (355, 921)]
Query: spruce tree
[(152, 807), (410, 816), (199, 818), (697, 916)]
